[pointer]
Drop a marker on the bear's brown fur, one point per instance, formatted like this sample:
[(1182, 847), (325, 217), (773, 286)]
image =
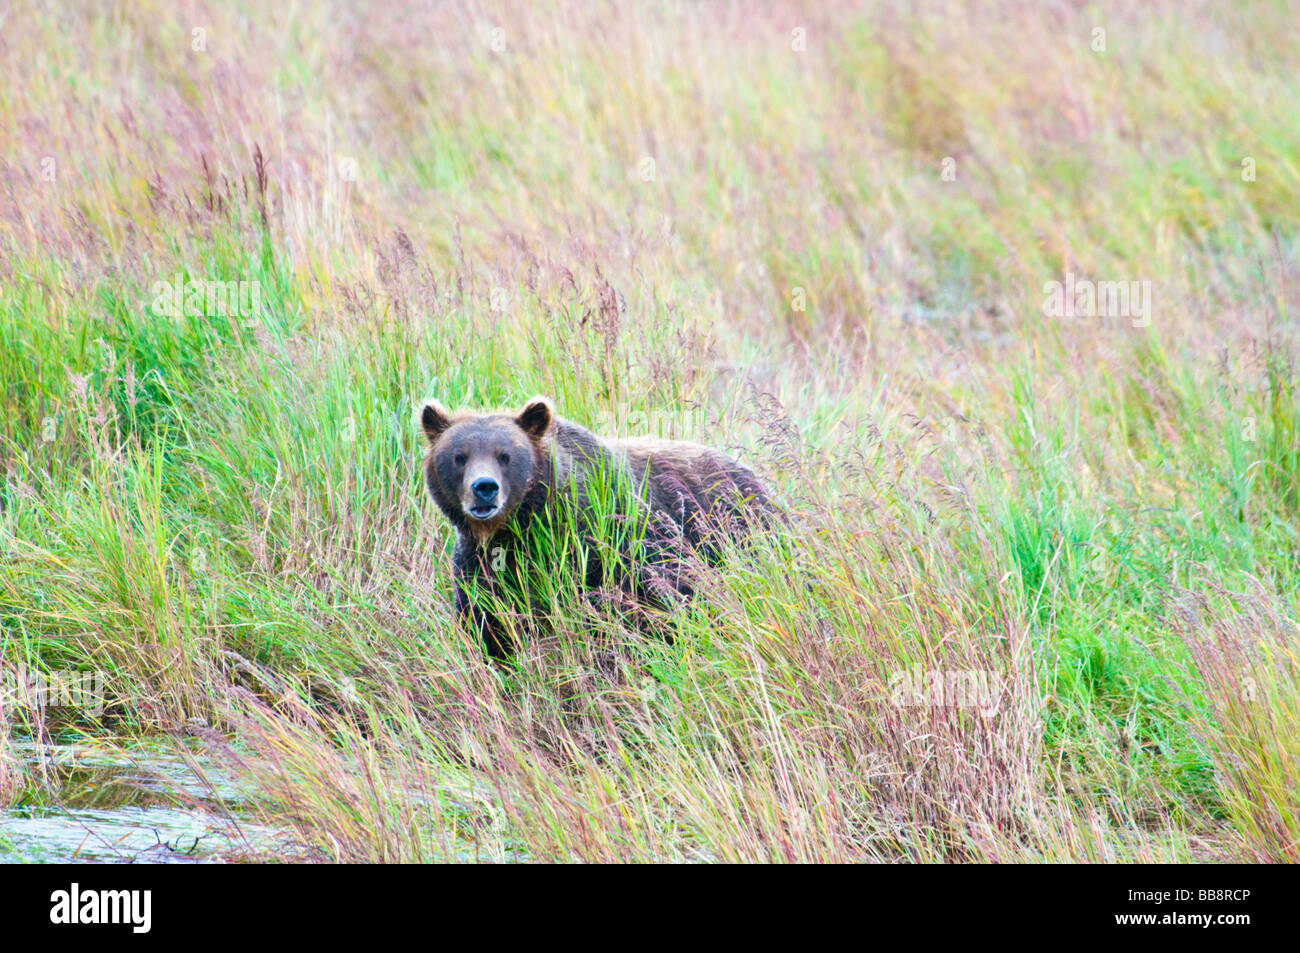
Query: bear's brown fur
[(494, 476)]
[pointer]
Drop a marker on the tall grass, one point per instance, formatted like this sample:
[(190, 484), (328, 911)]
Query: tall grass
[(825, 251)]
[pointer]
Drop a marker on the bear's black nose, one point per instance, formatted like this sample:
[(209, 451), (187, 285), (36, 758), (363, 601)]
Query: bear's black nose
[(485, 489)]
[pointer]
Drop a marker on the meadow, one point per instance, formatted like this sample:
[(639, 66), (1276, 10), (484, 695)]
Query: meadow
[(1039, 598)]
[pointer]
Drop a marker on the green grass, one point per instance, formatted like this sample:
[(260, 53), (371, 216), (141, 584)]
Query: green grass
[(226, 515)]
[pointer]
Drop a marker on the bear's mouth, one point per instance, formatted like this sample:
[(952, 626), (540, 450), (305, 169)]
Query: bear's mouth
[(483, 511)]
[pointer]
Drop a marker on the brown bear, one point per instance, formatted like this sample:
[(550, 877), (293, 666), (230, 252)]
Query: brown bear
[(513, 484)]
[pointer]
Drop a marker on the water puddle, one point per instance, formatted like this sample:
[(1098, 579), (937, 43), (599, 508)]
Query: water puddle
[(142, 805), (89, 802)]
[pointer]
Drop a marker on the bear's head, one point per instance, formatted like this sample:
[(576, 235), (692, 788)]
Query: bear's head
[(481, 466)]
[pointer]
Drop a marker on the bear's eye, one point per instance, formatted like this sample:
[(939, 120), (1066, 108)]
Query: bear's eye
[(504, 458), (460, 459)]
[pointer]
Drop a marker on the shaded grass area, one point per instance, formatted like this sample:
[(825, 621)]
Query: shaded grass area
[(1095, 521)]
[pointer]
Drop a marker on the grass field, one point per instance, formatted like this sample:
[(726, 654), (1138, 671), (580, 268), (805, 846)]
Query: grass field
[(1040, 598)]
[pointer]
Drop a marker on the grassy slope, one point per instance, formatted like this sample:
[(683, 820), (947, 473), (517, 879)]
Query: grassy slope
[(670, 220)]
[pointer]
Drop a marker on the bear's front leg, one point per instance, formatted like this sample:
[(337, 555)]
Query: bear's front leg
[(484, 626)]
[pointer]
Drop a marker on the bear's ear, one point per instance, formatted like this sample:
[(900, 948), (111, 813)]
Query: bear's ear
[(536, 417), (435, 418)]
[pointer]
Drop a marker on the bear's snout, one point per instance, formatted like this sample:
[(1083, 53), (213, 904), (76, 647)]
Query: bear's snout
[(483, 501), (485, 490)]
